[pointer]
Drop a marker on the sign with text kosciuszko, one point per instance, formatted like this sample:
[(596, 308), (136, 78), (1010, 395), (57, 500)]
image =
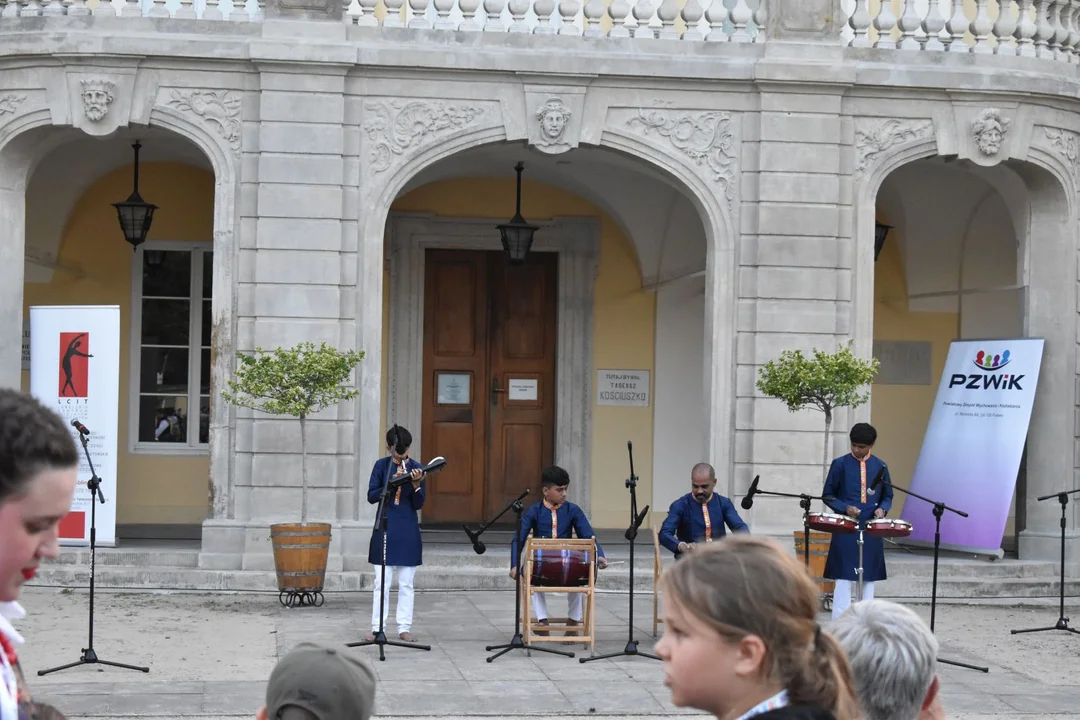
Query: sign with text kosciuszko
[(974, 441), (629, 388), (75, 370)]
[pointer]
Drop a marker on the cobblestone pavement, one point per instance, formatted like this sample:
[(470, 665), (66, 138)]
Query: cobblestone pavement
[(210, 655)]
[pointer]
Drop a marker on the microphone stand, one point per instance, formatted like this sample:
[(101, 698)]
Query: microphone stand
[(804, 503), (517, 642), (1062, 622), (636, 519), (474, 535), (939, 510), (89, 657), (384, 591)]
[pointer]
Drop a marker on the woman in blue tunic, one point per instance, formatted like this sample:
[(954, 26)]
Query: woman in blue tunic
[(850, 484), (403, 546)]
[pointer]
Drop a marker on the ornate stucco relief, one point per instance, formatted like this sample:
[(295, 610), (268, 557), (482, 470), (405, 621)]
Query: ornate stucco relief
[(394, 127), (707, 138), (989, 130), (97, 95), (873, 137), (219, 109), (1066, 143), (10, 102)]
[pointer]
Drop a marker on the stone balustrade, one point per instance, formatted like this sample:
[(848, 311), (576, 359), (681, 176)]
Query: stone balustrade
[(1047, 29), (701, 20)]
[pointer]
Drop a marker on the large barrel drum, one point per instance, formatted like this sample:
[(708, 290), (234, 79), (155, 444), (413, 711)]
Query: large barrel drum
[(300, 554)]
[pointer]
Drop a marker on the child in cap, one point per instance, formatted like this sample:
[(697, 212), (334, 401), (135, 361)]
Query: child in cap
[(318, 682)]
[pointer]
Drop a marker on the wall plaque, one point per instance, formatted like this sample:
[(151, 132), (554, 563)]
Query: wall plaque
[(453, 389), (628, 388), (903, 362), (526, 389)]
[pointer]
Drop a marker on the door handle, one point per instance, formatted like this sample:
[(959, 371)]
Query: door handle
[(495, 390)]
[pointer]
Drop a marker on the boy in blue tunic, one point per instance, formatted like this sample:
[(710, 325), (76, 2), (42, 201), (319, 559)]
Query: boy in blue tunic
[(403, 546), (554, 517), (850, 482), (700, 515)]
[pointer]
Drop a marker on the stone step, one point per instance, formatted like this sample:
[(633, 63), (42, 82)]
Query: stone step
[(461, 578)]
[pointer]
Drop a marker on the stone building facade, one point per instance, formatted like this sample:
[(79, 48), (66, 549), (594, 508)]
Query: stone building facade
[(738, 152)]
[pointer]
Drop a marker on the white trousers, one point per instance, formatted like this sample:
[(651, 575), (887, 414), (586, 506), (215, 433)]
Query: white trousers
[(404, 612), (842, 592), (573, 602)]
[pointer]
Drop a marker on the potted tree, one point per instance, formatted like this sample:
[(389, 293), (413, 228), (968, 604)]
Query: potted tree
[(825, 382), (297, 382)]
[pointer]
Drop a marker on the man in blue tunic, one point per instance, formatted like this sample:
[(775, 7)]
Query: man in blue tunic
[(850, 483), (700, 515), (403, 546), (554, 517)]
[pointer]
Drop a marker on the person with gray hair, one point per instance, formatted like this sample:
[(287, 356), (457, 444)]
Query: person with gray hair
[(893, 659)]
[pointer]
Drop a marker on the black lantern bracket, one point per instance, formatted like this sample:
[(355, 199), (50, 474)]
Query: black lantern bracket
[(135, 214), (517, 235)]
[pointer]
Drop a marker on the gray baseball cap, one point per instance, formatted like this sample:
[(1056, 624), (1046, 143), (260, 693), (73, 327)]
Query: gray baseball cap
[(326, 682)]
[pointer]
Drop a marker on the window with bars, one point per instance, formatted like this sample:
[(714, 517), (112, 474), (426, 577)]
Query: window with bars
[(171, 346)]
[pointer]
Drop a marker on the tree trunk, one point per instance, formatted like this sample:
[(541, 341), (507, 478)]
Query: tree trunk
[(303, 468), (825, 452)]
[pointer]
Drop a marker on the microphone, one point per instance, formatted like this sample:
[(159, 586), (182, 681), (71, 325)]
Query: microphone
[(80, 427), (748, 501), (398, 447), (474, 535), (432, 467), (631, 532), (877, 479)]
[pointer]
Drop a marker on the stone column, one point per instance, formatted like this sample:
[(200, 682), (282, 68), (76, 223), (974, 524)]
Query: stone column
[(12, 267), (1053, 448), (794, 289), (294, 286)]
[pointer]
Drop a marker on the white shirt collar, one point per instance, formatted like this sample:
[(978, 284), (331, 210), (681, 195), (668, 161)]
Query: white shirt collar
[(11, 611)]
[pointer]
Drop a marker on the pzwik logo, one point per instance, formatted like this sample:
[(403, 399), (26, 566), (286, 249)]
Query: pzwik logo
[(990, 379)]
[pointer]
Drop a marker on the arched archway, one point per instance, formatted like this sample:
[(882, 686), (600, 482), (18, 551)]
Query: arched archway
[(672, 258), (56, 189), (976, 252)]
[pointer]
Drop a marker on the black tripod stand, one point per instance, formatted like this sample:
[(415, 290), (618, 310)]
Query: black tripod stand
[(517, 642), (939, 510), (636, 519), (384, 591), (89, 657), (1062, 622)]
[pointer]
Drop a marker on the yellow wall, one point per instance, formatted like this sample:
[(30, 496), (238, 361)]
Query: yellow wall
[(901, 412), (623, 321), (150, 488)]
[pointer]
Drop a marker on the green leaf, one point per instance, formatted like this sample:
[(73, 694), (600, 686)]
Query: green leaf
[(297, 381), (825, 382)]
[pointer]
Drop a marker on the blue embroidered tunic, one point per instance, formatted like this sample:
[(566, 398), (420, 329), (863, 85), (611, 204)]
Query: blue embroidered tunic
[(691, 522), (403, 546), (847, 479), (537, 517)]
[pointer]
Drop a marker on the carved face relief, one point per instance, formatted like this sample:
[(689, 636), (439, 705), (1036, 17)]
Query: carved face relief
[(97, 95), (553, 116), (989, 131)]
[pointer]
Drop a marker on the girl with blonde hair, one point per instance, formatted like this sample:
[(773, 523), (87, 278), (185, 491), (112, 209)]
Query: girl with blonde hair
[(741, 638)]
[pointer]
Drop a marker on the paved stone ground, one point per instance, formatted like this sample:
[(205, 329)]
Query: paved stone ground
[(210, 656)]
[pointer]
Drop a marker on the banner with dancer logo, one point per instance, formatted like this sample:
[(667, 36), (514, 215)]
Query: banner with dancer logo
[(974, 442), (75, 369)]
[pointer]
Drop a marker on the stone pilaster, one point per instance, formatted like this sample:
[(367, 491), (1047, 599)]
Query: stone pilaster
[(794, 288), (12, 261)]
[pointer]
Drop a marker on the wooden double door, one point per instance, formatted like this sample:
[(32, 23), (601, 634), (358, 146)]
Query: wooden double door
[(489, 380)]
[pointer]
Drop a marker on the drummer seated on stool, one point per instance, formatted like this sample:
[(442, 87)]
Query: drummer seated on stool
[(850, 485), (699, 515), (555, 517)]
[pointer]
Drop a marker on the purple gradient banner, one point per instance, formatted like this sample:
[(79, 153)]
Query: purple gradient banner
[(974, 441)]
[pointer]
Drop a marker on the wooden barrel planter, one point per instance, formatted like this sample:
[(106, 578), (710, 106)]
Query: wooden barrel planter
[(819, 550), (300, 555)]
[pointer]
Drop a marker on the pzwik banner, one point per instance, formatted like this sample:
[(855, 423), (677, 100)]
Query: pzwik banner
[(974, 442), (75, 369)]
